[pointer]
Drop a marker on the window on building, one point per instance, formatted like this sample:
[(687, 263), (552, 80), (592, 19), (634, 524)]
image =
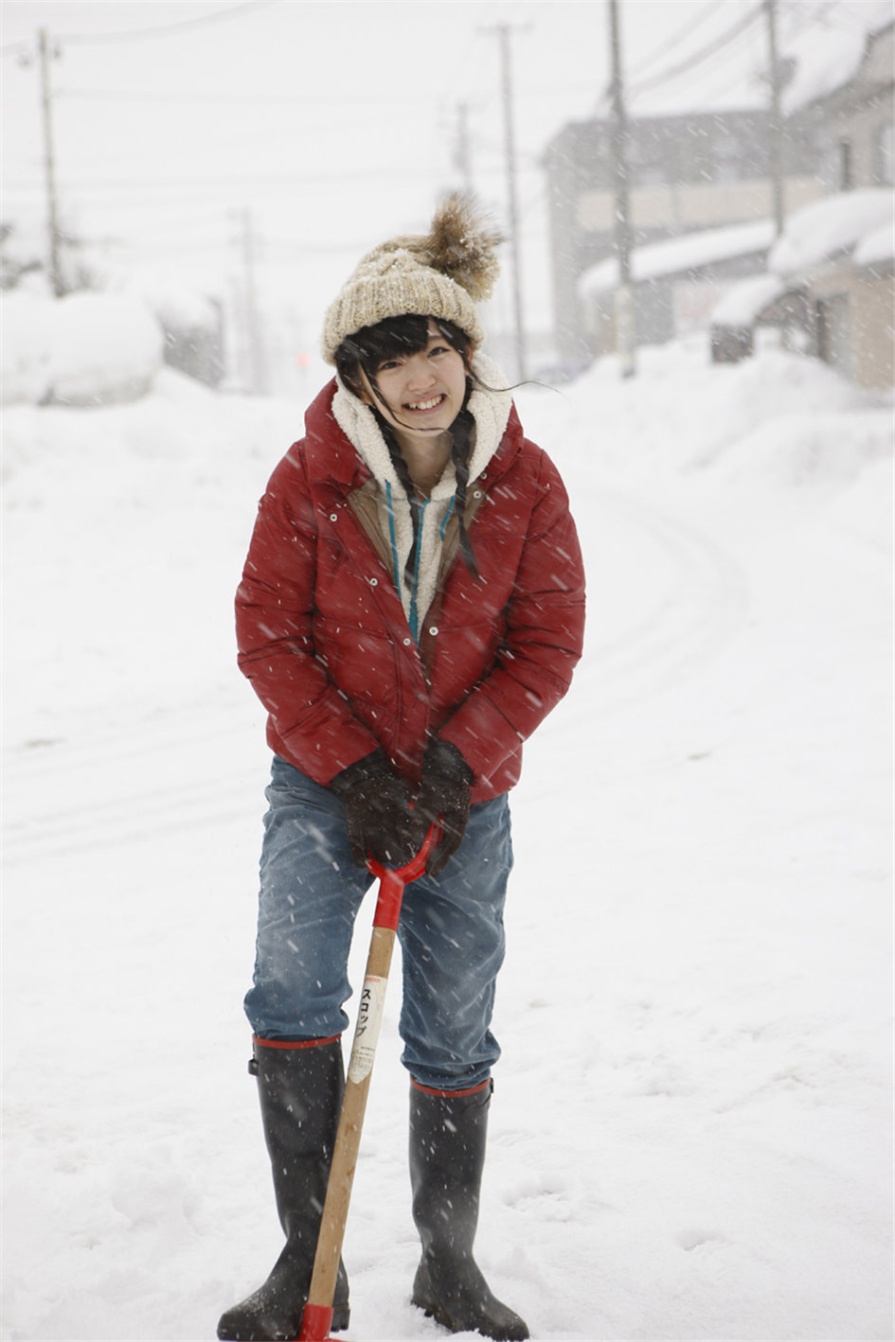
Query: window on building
[(731, 157), (833, 331), (883, 166), (647, 157)]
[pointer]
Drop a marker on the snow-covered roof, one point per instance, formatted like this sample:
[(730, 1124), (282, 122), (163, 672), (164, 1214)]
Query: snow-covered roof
[(876, 246), (828, 54), (744, 301), (690, 252), (831, 227)]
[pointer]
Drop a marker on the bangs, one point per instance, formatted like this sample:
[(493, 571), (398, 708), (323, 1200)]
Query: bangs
[(372, 345), (392, 338)]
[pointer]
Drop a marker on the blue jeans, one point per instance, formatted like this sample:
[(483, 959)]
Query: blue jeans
[(451, 933)]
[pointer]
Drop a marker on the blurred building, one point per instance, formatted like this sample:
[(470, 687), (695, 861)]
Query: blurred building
[(847, 297), (852, 123), (834, 267), (686, 173), (197, 348)]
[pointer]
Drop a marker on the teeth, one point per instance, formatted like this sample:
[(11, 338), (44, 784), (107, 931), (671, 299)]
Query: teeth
[(426, 405)]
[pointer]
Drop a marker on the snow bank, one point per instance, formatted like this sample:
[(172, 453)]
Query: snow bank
[(830, 52), (685, 413), (831, 226), (25, 353), (86, 349), (802, 451), (691, 1129), (105, 348), (178, 303)]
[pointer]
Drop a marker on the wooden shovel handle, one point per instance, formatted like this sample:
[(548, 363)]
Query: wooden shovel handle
[(318, 1312), (351, 1121)]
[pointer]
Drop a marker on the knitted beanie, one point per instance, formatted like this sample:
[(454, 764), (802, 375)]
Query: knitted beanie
[(440, 274)]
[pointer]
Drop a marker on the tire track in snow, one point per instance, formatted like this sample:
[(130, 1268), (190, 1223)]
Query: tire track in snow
[(183, 768), (664, 599)]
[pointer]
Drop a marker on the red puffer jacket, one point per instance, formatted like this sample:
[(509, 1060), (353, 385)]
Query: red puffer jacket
[(325, 642)]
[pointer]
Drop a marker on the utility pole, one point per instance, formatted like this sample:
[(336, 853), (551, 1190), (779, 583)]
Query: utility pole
[(255, 347), (775, 119), (45, 52), (462, 156), (625, 316), (503, 31)]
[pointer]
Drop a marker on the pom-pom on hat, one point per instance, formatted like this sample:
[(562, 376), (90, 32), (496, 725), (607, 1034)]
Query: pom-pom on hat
[(443, 273)]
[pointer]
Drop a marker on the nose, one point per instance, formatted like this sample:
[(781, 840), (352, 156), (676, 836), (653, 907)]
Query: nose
[(420, 372)]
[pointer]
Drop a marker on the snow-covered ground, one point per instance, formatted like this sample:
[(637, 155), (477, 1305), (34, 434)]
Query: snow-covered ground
[(691, 1130)]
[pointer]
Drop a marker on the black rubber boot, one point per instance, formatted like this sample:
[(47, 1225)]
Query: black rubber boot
[(301, 1092), (447, 1155)]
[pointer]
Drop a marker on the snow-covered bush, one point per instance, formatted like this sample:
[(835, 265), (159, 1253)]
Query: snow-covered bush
[(25, 321), (82, 350), (104, 348)]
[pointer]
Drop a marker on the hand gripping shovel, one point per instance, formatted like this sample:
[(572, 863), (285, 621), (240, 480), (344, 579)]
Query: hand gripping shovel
[(318, 1312)]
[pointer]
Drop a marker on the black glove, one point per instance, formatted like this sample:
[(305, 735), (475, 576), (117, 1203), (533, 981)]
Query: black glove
[(443, 795), (377, 807)]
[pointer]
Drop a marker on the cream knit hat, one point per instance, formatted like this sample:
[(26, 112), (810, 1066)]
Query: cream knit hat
[(440, 274)]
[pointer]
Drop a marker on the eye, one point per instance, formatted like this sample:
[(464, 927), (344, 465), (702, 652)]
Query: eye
[(387, 364), (439, 349)]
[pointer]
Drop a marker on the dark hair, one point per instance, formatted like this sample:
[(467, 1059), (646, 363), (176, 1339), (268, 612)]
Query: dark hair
[(367, 349)]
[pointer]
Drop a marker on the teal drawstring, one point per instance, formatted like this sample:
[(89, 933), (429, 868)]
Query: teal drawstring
[(443, 527), (414, 620), (391, 532)]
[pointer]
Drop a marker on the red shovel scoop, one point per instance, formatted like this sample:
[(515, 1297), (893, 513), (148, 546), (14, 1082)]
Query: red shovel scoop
[(317, 1317)]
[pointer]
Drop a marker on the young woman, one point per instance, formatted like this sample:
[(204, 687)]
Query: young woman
[(411, 608)]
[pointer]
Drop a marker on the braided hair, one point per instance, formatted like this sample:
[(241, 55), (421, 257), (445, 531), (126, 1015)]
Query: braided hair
[(366, 351)]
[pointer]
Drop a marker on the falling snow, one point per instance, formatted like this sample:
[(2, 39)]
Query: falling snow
[(691, 1125)]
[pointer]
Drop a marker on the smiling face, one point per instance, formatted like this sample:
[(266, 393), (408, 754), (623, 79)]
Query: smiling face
[(420, 393)]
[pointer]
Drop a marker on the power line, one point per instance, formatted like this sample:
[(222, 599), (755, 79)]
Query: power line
[(680, 36), (715, 81), (698, 57), (812, 14), (290, 180), (800, 18), (844, 13), (338, 100), (86, 192), (278, 99), (801, 15), (164, 29), (24, 46), (297, 249), (317, 248)]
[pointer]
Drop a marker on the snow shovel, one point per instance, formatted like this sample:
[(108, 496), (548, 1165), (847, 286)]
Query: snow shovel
[(318, 1312)]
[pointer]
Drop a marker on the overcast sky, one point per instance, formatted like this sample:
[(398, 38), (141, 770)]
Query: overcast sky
[(336, 124)]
